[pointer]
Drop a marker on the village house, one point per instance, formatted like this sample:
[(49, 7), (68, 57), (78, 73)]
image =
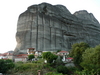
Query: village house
[(7, 55), (21, 57), (69, 59), (10, 55), (65, 54), (30, 51), (3, 56), (24, 57), (62, 53), (33, 51)]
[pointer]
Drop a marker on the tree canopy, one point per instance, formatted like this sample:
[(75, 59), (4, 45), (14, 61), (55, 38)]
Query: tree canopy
[(30, 57), (49, 56), (77, 51), (91, 58)]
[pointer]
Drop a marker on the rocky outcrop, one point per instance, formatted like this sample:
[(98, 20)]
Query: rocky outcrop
[(47, 27)]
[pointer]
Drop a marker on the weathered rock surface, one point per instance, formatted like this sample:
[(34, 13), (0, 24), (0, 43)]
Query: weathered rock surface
[(47, 27)]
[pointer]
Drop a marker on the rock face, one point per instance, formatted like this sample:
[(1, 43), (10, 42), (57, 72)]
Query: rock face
[(47, 27)]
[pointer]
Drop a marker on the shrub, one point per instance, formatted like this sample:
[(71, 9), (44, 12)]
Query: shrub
[(86, 72), (62, 69), (5, 65), (47, 65), (58, 61), (39, 56), (20, 62), (23, 67), (30, 57), (49, 56)]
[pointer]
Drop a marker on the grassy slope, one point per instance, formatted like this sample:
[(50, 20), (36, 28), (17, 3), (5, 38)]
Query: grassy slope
[(30, 68)]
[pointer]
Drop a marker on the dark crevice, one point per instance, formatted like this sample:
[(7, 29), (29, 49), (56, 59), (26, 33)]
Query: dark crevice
[(68, 34), (44, 10)]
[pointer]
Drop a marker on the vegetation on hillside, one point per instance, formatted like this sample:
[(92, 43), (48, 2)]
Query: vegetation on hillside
[(86, 59), (31, 68)]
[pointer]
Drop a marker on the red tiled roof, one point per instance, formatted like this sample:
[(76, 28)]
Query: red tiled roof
[(23, 55), (20, 57), (63, 52), (4, 54)]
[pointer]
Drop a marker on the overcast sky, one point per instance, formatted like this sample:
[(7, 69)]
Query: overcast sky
[(11, 9)]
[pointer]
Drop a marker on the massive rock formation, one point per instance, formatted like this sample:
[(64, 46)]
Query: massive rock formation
[(47, 27)]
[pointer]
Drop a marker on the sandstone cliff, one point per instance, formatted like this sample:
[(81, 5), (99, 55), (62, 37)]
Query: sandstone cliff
[(47, 27)]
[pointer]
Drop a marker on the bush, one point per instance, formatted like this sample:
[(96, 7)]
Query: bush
[(86, 72), (30, 57), (47, 65), (58, 61), (49, 56), (23, 67), (5, 65), (39, 56), (20, 62), (62, 69)]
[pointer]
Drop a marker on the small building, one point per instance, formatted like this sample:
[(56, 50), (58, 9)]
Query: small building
[(21, 57), (69, 59), (3, 56), (7, 55), (30, 51), (62, 53), (10, 56), (38, 53), (33, 51)]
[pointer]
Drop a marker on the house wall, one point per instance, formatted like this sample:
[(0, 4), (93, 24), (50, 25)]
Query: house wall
[(10, 57), (20, 59)]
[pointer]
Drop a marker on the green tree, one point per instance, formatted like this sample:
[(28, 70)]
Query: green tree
[(30, 57), (91, 59), (59, 61), (5, 65), (49, 56), (62, 69), (77, 51)]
